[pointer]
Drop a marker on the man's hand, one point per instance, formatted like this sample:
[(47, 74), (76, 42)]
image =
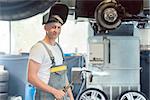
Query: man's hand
[(59, 94)]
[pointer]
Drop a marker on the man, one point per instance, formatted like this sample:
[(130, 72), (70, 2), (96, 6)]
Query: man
[(45, 69)]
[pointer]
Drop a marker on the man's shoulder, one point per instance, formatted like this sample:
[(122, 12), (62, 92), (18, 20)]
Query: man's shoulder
[(37, 46)]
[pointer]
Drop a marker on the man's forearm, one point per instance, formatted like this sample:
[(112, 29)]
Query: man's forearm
[(70, 94), (69, 91)]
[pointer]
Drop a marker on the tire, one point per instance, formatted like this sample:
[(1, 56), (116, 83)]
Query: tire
[(3, 96), (92, 94), (4, 76), (3, 87), (132, 95)]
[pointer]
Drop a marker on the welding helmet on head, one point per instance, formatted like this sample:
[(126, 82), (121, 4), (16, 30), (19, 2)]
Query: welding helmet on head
[(58, 13)]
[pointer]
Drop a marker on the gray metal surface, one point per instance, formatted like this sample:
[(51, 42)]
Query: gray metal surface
[(121, 61)]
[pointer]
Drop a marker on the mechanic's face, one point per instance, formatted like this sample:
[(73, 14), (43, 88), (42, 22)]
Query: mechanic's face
[(53, 30)]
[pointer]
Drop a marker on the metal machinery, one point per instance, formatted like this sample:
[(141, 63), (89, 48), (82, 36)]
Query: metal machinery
[(113, 49), (119, 57)]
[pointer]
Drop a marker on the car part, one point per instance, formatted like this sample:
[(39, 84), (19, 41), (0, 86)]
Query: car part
[(92, 94), (11, 10), (132, 95)]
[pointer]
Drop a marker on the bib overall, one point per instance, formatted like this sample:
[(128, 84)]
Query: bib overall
[(57, 80)]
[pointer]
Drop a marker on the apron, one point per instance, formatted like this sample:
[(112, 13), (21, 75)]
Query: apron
[(57, 80)]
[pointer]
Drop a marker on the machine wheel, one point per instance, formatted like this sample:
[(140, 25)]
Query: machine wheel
[(132, 95), (92, 94)]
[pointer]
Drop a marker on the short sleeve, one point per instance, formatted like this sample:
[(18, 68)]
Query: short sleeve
[(37, 53)]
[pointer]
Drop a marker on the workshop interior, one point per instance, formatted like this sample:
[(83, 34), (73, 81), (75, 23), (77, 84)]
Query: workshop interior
[(106, 45)]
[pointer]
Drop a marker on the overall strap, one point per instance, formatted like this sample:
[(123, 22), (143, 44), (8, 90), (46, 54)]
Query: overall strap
[(49, 53), (61, 52)]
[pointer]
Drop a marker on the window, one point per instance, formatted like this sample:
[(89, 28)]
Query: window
[(4, 37), (25, 33), (19, 36), (74, 37)]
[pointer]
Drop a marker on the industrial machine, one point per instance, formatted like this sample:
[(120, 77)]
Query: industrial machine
[(113, 47)]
